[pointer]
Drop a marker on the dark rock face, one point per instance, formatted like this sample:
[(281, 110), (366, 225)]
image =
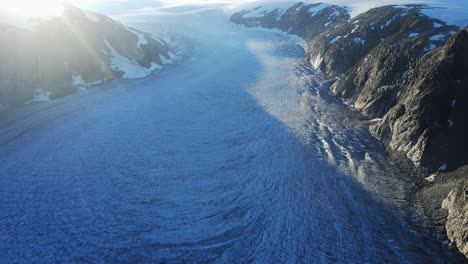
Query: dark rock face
[(456, 204), (373, 83), (78, 48), (369, 34), (445, 201), (427, 122)]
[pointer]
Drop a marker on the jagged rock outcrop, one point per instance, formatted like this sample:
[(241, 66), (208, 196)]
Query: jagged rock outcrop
[(445, 201), (372, 59), (428, 121), (396, 44), (305, 20), (53, 57), (456, 204), (352, 44)]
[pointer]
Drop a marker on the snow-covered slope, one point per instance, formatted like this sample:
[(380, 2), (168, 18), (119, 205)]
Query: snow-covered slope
[(78, 49), (451, 11), (306, 20)]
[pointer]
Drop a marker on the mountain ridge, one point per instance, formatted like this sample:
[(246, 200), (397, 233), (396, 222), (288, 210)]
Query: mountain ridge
[(56, 56)]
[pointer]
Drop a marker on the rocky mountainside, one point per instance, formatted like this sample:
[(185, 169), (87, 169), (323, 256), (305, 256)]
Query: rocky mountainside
[(399, 67), (371, 58), (306, 20), (53, 57), (446, 201), (428, 119), (457, 206)]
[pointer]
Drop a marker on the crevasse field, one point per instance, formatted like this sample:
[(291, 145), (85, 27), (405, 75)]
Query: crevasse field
[(238, 154)]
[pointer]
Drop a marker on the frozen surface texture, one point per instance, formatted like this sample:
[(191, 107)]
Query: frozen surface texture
[(239, 155)]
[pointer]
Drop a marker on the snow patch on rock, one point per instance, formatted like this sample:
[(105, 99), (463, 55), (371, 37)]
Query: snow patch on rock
[(431, 178), (141, 37), (443, 167), (267, 7), (335, 39), (77, 81), (40, 95), (130, 68), (438, 37), (316, 9), (170, 60), (431, 47)]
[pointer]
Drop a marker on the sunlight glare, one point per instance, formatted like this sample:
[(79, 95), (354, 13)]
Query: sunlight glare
[(32, 8)]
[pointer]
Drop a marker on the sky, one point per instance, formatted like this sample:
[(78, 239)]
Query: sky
[(29, 7), (358, 6)]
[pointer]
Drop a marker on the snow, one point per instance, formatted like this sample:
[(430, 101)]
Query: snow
[(141, 37), (456, 14), (317, 61), (277, 31), (388, 22), (438, 37), (316, 9), (352, 32), (40, 95), (77, 81), (431, 47), (359, 40), (453, 12), (457, 8), (335, 13), (268, 7), (158, 40), (169, 60), (437, 25), (454, 102), (431, 178), (95, 83), (450, 122), (443, 167), (335, 39), (412, 35), (130, 68)]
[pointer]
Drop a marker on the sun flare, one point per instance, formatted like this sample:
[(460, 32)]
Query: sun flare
[(32, 8)]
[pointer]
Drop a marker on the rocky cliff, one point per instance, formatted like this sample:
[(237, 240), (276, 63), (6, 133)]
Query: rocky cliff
[(374, 59), (445, 201), (428, 120), (53, 57), (457, 221), (403, 69), (306, 20)]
